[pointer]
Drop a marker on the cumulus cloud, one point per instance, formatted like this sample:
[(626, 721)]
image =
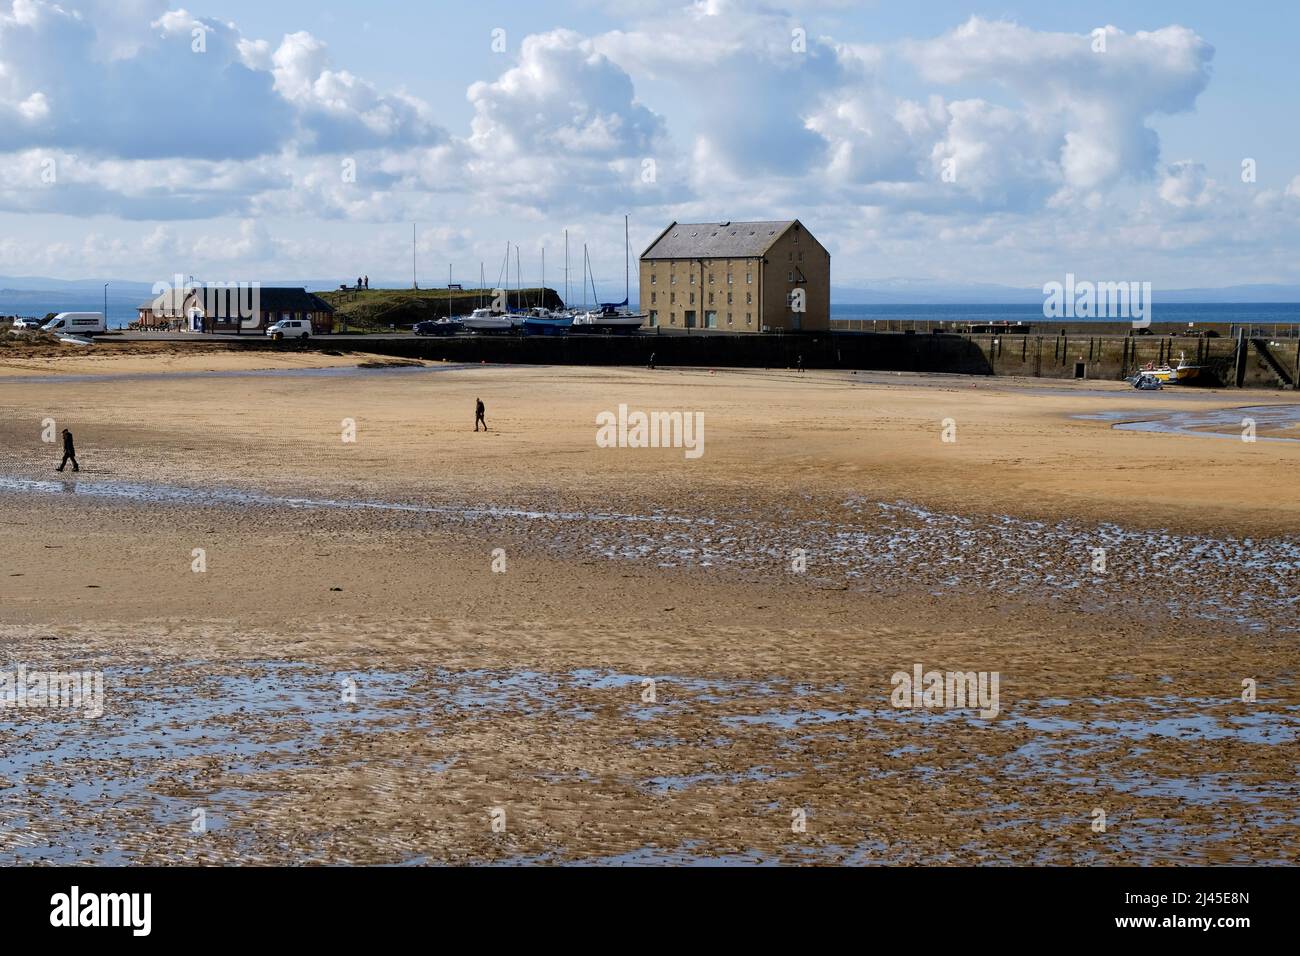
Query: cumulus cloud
[(1096, 98), (191, 87), (752, 73), (709, 109), (1186, 185), (565, 118)]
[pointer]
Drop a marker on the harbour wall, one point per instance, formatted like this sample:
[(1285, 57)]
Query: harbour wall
[(1225, 361)]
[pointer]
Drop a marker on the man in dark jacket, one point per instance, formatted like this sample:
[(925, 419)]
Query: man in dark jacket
[(69, 452), (478, 414)]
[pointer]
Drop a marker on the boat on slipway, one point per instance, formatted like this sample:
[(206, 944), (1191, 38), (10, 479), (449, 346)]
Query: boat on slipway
[(610, 317), (540, 321), (485, 320)]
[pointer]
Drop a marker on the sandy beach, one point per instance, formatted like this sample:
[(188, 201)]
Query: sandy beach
[(410, 642)]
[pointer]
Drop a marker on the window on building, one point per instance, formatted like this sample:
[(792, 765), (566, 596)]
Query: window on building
[(672, 319), (749, 318), (692, 278), (728, 298), (728, 318), (791, 276), (728, 278), (652, 297), (672, 298), (749, 278), (710, 278), (749, 298), (653, 278), (692, 298), (710, 298), (672, 280)]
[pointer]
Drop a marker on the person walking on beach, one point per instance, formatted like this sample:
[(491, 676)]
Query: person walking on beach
[(652, 361), (69, 452), (800, 364), (478, 414)]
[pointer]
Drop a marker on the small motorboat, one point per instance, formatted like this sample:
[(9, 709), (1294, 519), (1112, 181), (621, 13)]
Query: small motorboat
[(1185, 373), (1162, 373), (485, 320)]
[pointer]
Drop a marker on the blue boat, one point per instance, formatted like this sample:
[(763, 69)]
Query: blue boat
[(544, 322)]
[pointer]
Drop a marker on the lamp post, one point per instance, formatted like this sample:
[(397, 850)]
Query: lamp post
[(106, 306)]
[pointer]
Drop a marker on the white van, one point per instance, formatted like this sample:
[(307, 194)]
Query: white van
[(290, 329), (76, 323)]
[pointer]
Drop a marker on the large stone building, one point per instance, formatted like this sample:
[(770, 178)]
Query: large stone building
[(736, 277)]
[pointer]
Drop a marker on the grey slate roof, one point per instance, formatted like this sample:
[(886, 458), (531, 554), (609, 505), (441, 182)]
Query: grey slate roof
[(716, 240), (171, 303)]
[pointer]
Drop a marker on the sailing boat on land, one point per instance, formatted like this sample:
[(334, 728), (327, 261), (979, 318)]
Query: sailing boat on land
[(487, 320), (612, 316), (541, 320)]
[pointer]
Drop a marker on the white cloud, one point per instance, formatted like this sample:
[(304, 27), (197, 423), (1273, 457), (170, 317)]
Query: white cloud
[(1098, 103), (564, 120), (1186, 185)]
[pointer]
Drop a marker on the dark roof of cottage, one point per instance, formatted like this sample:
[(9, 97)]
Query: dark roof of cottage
[(269, 299), (716, 240)]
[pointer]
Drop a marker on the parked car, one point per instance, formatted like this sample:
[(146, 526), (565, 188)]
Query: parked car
[(438, 327), (24, 322), (290, 329)]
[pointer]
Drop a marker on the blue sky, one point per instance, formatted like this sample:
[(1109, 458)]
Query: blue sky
[(941, 141)]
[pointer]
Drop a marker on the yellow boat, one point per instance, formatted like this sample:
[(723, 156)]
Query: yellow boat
[(1184, 372)]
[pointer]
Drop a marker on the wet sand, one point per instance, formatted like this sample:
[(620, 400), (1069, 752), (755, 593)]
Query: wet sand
[(335, 567)]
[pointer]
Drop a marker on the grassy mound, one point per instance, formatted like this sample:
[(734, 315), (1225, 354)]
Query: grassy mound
[(380, 308)]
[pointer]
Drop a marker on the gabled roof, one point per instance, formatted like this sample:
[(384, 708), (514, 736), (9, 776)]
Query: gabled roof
[(717, 240)]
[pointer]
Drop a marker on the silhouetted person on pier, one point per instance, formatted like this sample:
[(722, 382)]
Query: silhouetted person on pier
[(478, 414), (69, 452), (358, 283), (367, 283)]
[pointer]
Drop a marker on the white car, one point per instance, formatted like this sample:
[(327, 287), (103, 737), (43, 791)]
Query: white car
[(290, 329), (26, 323)]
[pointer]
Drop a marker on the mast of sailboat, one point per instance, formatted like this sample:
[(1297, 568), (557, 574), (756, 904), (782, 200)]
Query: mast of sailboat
[(584, 277), (627, 281), (415, 282), (566, 268), (543, 292), (519, 280), (478, 300)]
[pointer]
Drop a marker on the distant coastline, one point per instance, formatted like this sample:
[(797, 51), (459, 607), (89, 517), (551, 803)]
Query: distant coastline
[(122, 309)]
